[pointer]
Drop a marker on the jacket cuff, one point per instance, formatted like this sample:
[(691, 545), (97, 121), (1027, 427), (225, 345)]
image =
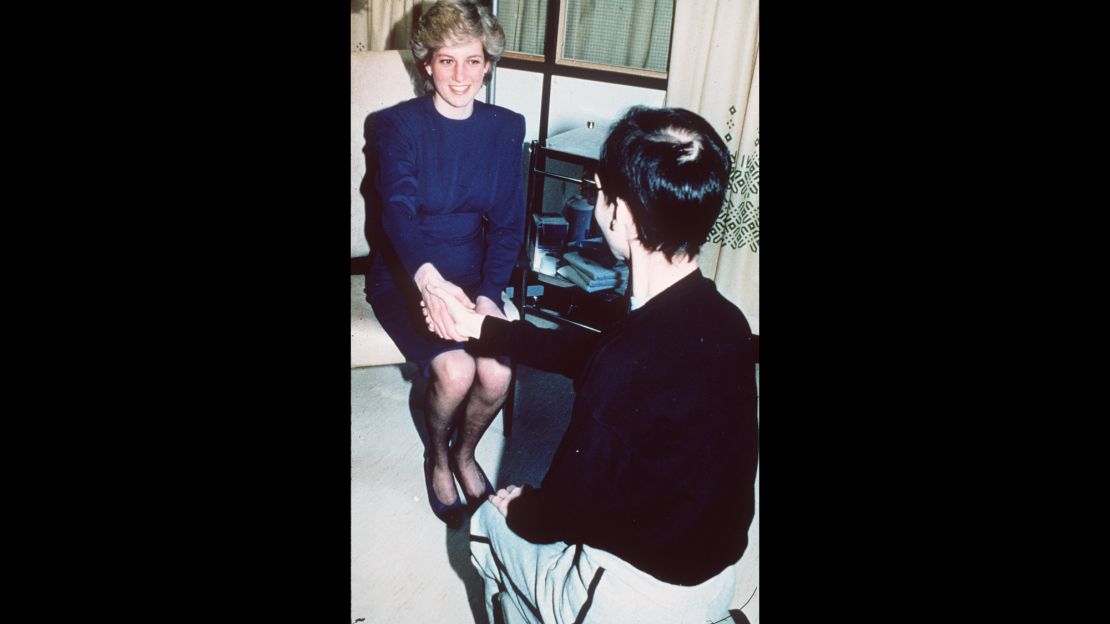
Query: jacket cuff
[(493, 293), (496, 338)]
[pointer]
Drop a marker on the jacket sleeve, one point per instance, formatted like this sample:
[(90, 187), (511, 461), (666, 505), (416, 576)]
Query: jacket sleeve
[(505, 217), (397, 184), (564, 350)]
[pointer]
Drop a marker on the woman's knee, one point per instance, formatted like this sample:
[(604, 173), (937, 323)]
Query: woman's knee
[(453, 373), (493, 375)]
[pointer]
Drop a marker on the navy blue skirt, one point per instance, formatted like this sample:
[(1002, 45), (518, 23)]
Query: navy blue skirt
[(398, 311)]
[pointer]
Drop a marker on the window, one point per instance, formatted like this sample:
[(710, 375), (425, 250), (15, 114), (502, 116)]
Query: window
[(524, 22), (594, 56), (625, 36)]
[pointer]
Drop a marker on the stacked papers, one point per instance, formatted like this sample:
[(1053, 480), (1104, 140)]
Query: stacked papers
[(591, 276)]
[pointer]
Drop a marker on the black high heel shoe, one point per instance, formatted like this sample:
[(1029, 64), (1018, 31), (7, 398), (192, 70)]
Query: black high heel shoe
[(452, 514), (472, 503)]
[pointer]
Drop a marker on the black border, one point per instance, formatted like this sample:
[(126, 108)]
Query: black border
[(251, 415), (878, 412)]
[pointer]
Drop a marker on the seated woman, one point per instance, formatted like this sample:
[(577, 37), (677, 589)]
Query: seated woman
[(452, 215), (645, 509)]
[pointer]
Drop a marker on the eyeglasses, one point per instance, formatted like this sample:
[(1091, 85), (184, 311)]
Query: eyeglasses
[(589, 190)]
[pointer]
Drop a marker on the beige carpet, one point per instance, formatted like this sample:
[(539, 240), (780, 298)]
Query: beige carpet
[(406, 566)]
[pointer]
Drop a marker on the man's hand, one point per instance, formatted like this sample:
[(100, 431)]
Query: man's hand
[(485, 305), (429, 282), (504, 496), (467, 323)]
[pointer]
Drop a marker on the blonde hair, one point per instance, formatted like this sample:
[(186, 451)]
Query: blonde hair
[(450, 22)]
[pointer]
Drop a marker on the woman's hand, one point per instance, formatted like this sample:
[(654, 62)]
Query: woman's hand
[(429, 282), (504, 496), (466, 322)]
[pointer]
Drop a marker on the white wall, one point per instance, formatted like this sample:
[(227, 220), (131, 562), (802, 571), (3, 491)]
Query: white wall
[(522, 92), (573, 101)]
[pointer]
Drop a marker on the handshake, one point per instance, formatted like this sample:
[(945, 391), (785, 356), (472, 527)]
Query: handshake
[(448, 311)]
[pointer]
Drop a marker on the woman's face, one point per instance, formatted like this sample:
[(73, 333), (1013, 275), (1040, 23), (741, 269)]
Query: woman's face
[(603, 214), (457, 72)]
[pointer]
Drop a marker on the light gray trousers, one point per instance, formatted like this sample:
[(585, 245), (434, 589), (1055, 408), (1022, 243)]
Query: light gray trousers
[(567, 584)]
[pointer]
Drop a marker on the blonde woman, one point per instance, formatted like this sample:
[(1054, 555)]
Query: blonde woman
[(452, 212)]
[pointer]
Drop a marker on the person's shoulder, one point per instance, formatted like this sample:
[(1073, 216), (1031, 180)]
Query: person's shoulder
[(714, 327), (497, 111), (501, 116), (718, 311), (406, 110), (733, 315)]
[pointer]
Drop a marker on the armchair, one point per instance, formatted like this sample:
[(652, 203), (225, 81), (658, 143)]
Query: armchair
[(378, 80)]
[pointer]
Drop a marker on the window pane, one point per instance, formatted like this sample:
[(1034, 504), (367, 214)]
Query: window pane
[(625, 33), (524, 22)]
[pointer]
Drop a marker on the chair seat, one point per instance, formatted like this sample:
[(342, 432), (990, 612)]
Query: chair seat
[(370, 345)]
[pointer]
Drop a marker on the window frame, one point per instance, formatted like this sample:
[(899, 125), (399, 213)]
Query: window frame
[(560, 57), (552, 64)]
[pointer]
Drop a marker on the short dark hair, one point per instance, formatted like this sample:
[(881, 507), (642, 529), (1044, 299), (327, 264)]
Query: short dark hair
[(671, 168)]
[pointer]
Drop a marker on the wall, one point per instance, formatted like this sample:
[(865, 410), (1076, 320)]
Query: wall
[(573, 101), (520, 91)]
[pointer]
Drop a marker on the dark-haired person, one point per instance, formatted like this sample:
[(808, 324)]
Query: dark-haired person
[(452, 215), (645, 509)]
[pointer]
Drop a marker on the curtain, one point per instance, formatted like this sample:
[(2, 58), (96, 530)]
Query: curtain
[(624, 34), (714, 72), (383, 24), (523, 22), (633, 33)]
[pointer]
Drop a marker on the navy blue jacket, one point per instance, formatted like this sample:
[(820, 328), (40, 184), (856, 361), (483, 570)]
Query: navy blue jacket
[(438, 178)]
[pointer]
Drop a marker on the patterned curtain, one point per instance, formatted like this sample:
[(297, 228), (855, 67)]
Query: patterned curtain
[(383, 24), (714, 72)]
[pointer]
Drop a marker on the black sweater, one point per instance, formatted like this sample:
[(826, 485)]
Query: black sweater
[(658, 463)]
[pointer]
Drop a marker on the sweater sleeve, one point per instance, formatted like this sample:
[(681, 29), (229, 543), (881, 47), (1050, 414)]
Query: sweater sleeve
[(562, 351), (506, 218), (397, 185)]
